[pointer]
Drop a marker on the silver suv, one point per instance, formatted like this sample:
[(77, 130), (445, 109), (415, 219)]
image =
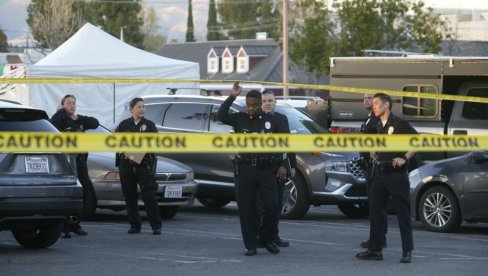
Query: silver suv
[(38, 191), (214, 172)]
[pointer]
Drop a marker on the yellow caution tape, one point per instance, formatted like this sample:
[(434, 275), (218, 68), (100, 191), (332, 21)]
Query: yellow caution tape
[(233, 143), (445, 96)]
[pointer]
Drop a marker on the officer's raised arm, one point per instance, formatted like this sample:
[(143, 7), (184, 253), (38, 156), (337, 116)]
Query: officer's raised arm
[(223, 114)]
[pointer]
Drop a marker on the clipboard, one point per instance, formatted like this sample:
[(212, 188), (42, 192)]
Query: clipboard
[(135, 156)]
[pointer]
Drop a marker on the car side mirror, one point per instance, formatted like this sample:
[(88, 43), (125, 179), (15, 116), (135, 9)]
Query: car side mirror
[(479, 158)]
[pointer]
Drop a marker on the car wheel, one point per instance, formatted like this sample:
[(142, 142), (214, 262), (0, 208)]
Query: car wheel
[(295, 198), (439, 210), (168, 212), (41, 237), (213, 202), (90, 204), (358, 210)]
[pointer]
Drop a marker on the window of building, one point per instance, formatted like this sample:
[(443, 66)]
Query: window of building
[(419, 107), (476, 111), (185, 116)]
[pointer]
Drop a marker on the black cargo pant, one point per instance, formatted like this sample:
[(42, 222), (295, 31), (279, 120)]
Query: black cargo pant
[(132, 174), (256, 182), (84, 178), (279, 210), (396, 184), (369, 181)]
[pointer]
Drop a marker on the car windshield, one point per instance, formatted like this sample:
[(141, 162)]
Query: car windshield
[(299, 122), (99, 129)]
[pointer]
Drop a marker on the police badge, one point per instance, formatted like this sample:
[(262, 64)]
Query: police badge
[(390, 130)]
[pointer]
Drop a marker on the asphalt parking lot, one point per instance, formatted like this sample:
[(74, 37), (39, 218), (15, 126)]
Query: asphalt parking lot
[(200, 241)]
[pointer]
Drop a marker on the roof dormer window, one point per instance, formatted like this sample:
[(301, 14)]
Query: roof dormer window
[(242, 61), (227, 61), (212, 62)]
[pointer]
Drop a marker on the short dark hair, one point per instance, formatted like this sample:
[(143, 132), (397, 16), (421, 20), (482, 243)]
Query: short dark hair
[(267, 92), (384, 98), (254, 94), (67, 96), (134, 101)]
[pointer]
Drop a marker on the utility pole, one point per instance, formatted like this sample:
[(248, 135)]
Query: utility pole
[(285, 50)]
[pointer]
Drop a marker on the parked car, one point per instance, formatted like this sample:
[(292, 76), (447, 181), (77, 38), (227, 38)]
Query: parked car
[(314, 106), (176, 184), (38, 191), (447, 192), (215, 174)]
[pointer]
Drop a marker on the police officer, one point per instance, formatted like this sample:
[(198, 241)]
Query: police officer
[(131, 173), (369, 126), (255, 171), (66, 120), (389, 177), (268, 106)]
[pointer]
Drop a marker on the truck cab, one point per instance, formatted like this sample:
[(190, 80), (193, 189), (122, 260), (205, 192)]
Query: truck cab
[(465, 76)]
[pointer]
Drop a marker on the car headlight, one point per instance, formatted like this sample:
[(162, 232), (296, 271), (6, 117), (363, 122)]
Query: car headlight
[(112, 176), (336, 166)]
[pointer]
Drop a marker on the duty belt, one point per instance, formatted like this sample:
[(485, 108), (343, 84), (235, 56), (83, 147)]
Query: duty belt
[(387, 166), (260, 163)]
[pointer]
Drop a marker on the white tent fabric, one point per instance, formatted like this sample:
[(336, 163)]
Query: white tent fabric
[(92, 53)]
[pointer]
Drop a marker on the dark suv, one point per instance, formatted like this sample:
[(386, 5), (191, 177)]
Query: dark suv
[(38, 191), (214, 172)]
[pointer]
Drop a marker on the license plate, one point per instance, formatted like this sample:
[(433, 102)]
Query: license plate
[(173, 192), (36, 165)]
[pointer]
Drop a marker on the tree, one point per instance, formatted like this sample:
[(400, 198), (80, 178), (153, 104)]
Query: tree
[(3, 41), (388, 24), (53, 21), (242, 20), (117, 16), (311, 36), (360, 25), (190, 36), (213, 28), (152, 39)]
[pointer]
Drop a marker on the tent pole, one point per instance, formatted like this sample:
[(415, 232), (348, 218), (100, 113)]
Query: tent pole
[(114, 104)]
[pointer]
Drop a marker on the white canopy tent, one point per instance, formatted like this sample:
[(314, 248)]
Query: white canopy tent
[(92, 53)]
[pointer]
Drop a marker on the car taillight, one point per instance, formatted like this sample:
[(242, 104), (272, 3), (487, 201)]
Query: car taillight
[(334, 130)]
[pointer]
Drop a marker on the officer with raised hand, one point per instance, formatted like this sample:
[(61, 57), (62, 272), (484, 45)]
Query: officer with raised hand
[(133, 173), (268, 106), (370, 127), (255, 172), (390, 177), (66, 120)]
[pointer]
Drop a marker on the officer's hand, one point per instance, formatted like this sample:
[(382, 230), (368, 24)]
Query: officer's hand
[(373, 156), (293, 172), (281, 175), (398, 162), (236, 89)]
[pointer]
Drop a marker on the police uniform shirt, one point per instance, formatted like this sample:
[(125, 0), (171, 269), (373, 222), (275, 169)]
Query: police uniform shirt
[(243, 123), (65, 124), (286, 127), (393, 125), (128, 125), (369, 127)]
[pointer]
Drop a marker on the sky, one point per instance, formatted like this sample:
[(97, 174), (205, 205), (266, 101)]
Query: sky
[(172, 15)]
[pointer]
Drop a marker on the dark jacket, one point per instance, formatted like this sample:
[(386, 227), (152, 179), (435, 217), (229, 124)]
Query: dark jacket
[(243, 123), (65, 124), (284, 120)]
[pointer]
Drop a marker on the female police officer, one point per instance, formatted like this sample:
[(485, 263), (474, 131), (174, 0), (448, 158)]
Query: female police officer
[(133, 173), (66, 120)]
